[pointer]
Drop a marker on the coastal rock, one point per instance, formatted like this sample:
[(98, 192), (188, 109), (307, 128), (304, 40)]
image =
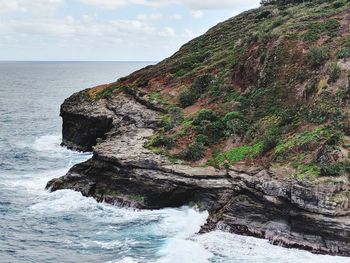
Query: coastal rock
[(242, 200)]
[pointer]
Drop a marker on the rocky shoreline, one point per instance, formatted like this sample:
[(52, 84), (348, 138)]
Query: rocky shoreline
[(244, 200)]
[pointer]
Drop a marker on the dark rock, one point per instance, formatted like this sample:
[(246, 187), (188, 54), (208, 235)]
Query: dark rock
[(247, 200)]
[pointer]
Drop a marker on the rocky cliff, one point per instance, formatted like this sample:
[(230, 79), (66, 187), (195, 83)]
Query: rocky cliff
[(247, 121)]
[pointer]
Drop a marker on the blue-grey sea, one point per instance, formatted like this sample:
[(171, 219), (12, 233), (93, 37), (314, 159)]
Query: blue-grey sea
[(38, 226)]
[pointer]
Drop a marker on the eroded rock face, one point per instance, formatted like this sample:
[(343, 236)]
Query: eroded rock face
[(248, 201)]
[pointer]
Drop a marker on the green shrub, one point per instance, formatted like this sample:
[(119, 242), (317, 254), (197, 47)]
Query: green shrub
[(335, 169), (201, 138), (174, 117), (160, 140), (187, 98), (271, 139), (236, 126), (343, 53), (338, 4), (198, 88), (202, 83), (214, 130), (205, 115), (318, 55), (311, 88), (334, 72), (316, 29), (194, 152)]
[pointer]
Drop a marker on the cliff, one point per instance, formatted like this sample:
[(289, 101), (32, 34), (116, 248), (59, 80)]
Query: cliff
[(249, 121)]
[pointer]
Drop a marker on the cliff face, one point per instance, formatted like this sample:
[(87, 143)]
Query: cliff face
[(245, 200), (247, 121)]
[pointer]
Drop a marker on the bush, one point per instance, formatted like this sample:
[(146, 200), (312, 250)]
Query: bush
[(236, 126), (334, 72), (335, 169), (318, 55), (194, 152), (202, 83), (343, 52), (161, 140), (201, 138), (200, 86), (205, 115), (174, 117), (271, 139), (187, 98), (311, 88)]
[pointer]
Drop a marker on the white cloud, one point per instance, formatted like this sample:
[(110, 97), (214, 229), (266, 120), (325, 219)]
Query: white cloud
[(217, 4), (112, 4), (197, 13), (176, 16), (149, 17), (33, 7), (167, 32), (192, 4)]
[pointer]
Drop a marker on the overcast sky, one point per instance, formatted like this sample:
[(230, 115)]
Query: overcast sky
[(121, 30)]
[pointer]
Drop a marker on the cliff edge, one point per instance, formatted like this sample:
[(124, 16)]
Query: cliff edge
[(249, 121)]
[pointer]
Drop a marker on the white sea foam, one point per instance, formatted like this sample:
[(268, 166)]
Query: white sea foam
[(125, 260), (47, 146), (234, 248), (181, 225), (48, 143), (31, 182), (50, 146)]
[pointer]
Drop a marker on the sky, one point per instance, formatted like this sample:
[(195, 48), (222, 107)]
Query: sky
[(107, 30)]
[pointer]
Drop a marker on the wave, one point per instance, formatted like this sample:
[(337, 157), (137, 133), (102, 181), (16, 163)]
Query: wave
[(233, 248), (50, 146)]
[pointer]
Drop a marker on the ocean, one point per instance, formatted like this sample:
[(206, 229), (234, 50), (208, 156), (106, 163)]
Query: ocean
[(38, 226)]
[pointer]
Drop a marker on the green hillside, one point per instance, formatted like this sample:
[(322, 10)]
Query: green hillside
[(269, 87)]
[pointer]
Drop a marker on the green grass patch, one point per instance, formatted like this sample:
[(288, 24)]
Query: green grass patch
[(106, 93), (299, 140), (307, 171), (237, 154), (157, 97)]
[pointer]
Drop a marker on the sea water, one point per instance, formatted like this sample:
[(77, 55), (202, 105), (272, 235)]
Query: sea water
[(38, 226)]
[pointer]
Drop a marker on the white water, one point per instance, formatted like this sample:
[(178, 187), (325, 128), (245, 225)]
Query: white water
[(38, 226)]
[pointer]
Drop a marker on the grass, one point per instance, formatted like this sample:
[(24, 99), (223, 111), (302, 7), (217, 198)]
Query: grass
[(307, 171), (298, 140), (157, 97), (106, 93), (237, 154)]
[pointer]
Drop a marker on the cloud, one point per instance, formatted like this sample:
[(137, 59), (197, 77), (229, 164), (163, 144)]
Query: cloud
[(33, 7), (176, 16), (149, 17), (197, 13), (217, 4), (112, 4), (191, 4)]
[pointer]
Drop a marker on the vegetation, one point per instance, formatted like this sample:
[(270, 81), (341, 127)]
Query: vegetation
[(267, 87)]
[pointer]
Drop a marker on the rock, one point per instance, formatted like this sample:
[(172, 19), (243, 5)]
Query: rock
[(243, 200)]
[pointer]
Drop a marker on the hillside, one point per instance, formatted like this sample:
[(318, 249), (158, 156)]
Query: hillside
[(249, 121), (269, 87)]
